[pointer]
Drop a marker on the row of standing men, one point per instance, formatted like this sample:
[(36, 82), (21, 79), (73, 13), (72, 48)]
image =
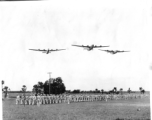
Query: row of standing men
[(69, 98)]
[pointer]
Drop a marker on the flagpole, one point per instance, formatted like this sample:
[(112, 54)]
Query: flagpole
[(49, 81)]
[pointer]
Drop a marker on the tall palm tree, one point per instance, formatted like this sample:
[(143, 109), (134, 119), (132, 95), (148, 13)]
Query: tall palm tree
[(2, 84), (5, 90), (140, 88)]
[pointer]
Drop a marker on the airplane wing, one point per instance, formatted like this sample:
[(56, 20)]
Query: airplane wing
[(126, 51), (105, 50), (109, 51), (122, 51), (37, 50), (100, 46), (79, 45), (56, 50)]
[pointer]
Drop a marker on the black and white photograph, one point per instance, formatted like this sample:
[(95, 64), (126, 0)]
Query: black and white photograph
[(75, 60)]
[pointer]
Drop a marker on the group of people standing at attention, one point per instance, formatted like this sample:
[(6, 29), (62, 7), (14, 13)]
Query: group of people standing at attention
[(41, 99)]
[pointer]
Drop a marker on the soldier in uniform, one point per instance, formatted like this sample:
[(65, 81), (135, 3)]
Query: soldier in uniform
[(46, 99), (43, 99), (33, 100), (38, 100), (30, 100), (22, 99), (17, 99), (68, 99), (26, 100)]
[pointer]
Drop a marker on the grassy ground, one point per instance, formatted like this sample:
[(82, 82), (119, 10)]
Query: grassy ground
[(101, 110)]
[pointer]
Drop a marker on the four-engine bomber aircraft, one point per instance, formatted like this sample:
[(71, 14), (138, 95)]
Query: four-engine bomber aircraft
[(114, 51), (47, 51), (89, 47)]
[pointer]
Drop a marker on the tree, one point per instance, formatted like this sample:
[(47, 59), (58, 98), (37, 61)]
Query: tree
[(141, 90), (115, 89), (38, 88), (5, 89), (40, 84), (144, 91), (68, 91), (35, 89), (102, 91), (46, 87), (77, 91), (96, 90), (129, 91), (56, 86), (2, 84)]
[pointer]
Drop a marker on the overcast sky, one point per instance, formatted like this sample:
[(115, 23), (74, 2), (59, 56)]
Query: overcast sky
[(58, 25)]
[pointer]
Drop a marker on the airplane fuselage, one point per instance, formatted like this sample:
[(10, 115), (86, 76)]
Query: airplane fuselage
[(90, 47), (47, 51)]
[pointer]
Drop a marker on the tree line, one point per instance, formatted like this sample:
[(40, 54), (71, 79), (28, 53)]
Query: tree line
[(56, 86), (102, 91), (51, 86)]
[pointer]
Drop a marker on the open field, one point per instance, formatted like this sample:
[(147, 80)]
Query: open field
[(99, 110)]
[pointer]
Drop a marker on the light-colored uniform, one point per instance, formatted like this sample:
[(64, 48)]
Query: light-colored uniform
[(17, 99)]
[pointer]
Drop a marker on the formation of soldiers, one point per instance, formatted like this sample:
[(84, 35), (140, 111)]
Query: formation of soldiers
[(69, 98)]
